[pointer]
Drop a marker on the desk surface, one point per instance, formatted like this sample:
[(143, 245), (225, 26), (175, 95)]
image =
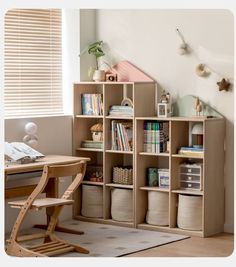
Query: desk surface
[(39, 164)]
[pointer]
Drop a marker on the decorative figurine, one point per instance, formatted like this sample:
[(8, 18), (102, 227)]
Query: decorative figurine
[(164, 107), (97, 132), (198, 107)]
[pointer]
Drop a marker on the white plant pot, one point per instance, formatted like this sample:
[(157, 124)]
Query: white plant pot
[(99, 75)]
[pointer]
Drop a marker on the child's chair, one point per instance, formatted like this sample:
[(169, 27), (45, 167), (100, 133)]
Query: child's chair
[(52, 245)]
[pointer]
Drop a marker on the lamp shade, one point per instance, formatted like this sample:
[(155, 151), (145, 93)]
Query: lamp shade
[(197, 128)]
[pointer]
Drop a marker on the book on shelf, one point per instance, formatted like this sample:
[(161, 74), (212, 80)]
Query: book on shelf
[(92, 104), (191, 151), (121, 135), (92, 144), (125, 111), (156, 135)]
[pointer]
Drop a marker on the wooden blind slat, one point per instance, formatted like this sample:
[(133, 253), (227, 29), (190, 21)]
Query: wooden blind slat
[(33, 62)]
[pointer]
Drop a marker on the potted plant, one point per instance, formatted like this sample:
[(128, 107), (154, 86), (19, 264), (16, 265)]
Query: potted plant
[(96, 49)]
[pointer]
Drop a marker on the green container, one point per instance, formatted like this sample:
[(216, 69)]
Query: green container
[(152, 176)]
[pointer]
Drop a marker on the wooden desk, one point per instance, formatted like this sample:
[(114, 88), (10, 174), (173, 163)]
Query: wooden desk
[(51, 189)]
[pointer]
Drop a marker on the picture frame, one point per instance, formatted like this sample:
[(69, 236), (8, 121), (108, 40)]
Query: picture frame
[(163, 110)]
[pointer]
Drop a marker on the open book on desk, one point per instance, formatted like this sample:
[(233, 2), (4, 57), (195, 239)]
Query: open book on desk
[(21, 153)]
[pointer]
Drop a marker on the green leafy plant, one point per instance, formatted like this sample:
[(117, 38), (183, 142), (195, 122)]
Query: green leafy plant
[(96, 50)]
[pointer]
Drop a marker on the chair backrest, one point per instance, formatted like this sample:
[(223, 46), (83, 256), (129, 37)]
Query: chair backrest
[(55, 171)]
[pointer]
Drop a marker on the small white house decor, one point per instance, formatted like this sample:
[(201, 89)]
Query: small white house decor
[(164, 107), (158, 208), (122, 205), (190, 212), (92, 201)]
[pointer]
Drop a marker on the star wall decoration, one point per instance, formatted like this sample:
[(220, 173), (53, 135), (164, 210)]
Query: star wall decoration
[(223, 85)]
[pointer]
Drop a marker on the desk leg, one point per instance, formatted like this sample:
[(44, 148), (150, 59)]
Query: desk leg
[(52, 191)]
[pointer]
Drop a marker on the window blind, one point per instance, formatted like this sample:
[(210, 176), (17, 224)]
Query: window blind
[(33, 63)]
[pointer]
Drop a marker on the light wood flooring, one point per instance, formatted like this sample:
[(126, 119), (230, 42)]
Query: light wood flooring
[(216, 246)]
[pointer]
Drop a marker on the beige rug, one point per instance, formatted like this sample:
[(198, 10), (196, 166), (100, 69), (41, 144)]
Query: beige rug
[(104, 240)]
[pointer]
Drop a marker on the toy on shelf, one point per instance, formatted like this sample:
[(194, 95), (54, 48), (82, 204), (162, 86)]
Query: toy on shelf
[(164, 107), (97, 132), (198, 107)]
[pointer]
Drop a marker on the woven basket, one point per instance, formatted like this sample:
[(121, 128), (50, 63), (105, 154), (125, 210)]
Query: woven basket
[(190, 212), (122, 175), (122, 205), (92, 201), (158, 208)]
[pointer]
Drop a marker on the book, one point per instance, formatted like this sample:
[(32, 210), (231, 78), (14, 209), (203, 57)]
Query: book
[(92, 104), (91, 144), (116, 110), (191, 151), (20, 152)]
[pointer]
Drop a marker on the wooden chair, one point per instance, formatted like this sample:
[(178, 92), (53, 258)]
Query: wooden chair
[(52, 245)]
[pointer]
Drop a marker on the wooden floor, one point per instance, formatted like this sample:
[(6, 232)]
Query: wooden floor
[(217, 246)]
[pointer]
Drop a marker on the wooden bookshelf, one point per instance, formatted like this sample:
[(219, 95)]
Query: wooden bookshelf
[(179, 135)]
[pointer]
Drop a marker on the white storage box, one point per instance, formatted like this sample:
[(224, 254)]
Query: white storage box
[(92, 201), (122, 205), (158, 208), (190, 212)]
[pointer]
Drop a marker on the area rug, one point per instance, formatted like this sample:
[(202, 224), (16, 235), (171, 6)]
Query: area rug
[(104, 240)]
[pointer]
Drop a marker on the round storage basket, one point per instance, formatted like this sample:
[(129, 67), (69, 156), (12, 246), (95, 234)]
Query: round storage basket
[(190, 212), (92, 201), (122, 205), (158, 208)]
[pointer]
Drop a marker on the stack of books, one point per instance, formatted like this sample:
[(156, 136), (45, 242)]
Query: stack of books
[(156, 135), (125, 111), (92, 104), (92, 144), (121, 135), (191, 151)]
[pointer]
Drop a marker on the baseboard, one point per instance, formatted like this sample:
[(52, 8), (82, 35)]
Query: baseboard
[(229, 228)]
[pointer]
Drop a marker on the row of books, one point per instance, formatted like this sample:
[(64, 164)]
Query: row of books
[(125, 111), (121, 135), (191, 151), (92, 104), (156, 135)]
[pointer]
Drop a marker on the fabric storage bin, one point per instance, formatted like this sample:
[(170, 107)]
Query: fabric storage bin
[(122, 205), (158, 208), (92, 201), (190, 212)]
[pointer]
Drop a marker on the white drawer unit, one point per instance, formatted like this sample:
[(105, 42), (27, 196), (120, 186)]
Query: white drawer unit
[(190, 176)]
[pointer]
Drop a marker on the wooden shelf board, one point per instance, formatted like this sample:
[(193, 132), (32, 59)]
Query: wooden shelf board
[(193, 118), (89, 116), (187, 191), (119, 151), (154, 188), (186, 156), (154, 154), (168, 229), (93, 183), (90, 149), (118, 223), (120, 185), (89, 219), (119, 118)]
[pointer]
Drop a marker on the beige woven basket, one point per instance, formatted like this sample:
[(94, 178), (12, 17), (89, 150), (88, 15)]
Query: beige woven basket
[(122, 175), (92, 201), (158, 208), (190, 212), (122, 205)]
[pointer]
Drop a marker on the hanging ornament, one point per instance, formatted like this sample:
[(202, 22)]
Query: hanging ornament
[(183, 48), (201, 70), (223, 85)]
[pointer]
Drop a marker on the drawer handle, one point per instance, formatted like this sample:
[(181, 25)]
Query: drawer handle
[(189, 185), (189, 178), (189, 170)]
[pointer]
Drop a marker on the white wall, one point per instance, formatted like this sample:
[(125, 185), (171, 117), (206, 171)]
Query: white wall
[(147, 38)]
